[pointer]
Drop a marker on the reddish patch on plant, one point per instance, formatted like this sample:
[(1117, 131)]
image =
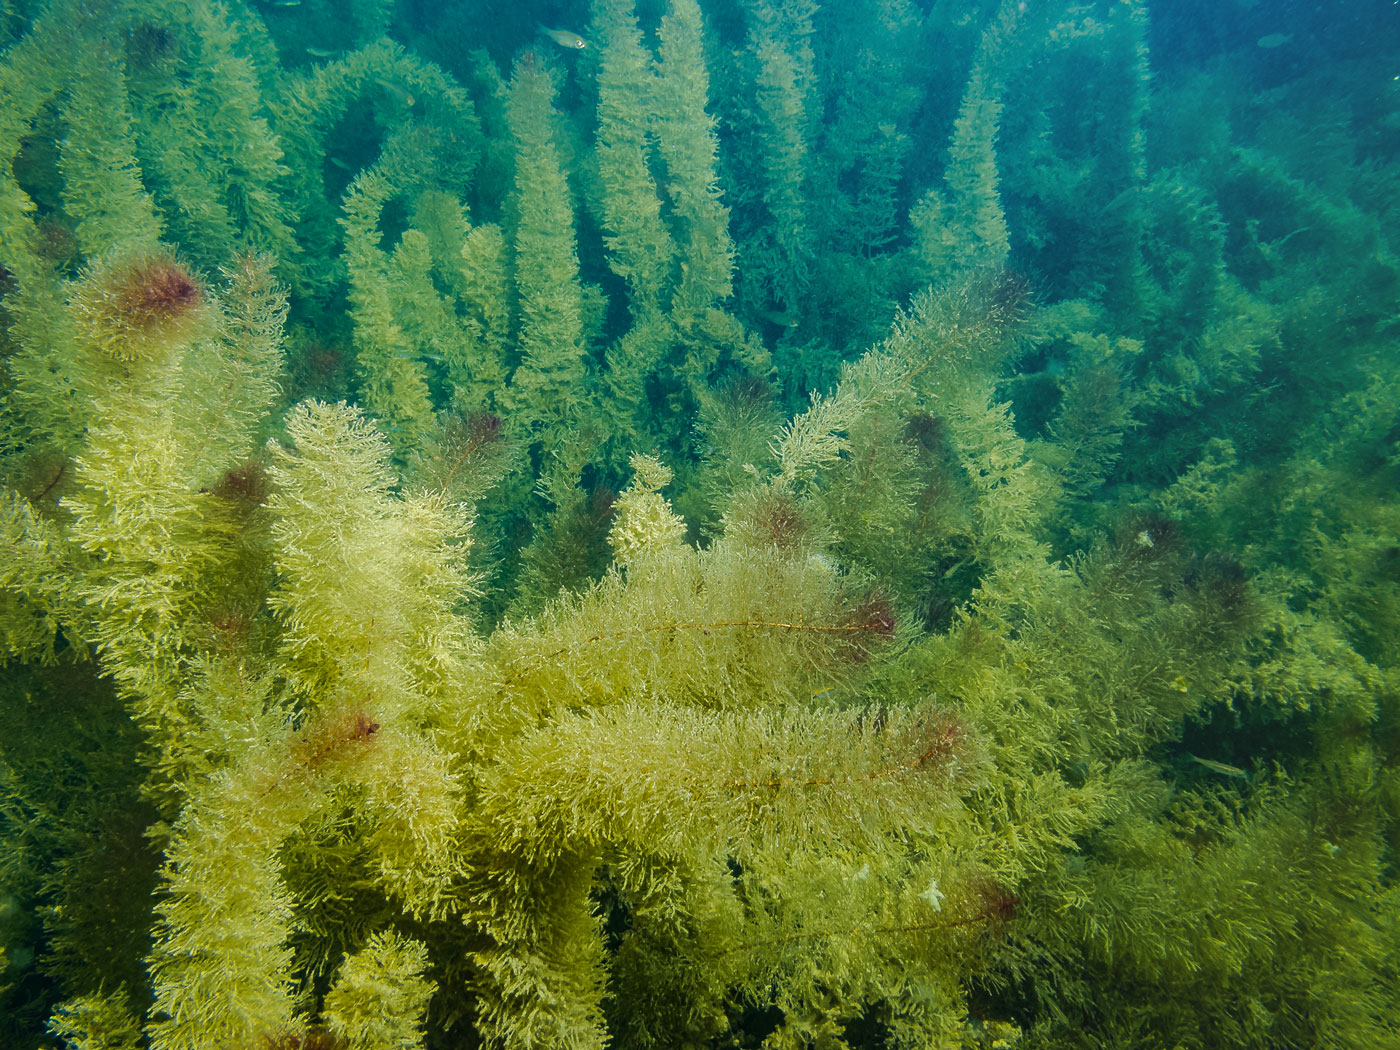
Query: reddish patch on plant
[(931, 740), (310, 1039), (779, 520), (866, 626), (230, 624), (363, 727), (141, 308), (601, 503), (43, 470), (246, 483), (1221, 580), (324, 362), (150, 45), (465, 438), (921, 745), (484, 428), (334, 736), (987, 902), (1006, 297), (926, 432), (155, 290), (57, 242), (874, 617)]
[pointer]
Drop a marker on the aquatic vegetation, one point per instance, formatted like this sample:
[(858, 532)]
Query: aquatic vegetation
[(720, 528)]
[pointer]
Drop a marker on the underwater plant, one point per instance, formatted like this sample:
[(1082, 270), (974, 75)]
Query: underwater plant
[(737, 534)]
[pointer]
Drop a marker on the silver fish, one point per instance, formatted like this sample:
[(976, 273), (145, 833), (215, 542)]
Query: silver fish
[(564, 38), (1219, 767)]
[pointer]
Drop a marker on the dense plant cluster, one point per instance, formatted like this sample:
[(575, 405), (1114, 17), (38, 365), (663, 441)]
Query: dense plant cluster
[(644, 523)]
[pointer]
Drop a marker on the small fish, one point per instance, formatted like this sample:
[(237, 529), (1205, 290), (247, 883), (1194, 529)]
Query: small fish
[(565, 39), (415, 356), (395, 91), (1273, 40), (320, 52), (781, 318), (1219, 767)]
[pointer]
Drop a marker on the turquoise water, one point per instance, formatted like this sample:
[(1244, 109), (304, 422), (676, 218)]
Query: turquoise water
[(699, 524)]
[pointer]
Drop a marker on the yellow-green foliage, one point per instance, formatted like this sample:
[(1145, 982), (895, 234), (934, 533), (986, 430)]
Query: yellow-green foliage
[(380, 995), (700, 608), (394, 378), (674, 253), (404, 91), (967, 230), (372, 639), (407, 331), (205, 143), (469, 336), (97, 1022), (156, 529), (1125, 918), (640, 246), (781, 53), (30, 576), (99, 167), (356, 567), (546, 386), (220, 964), (685, 139)]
